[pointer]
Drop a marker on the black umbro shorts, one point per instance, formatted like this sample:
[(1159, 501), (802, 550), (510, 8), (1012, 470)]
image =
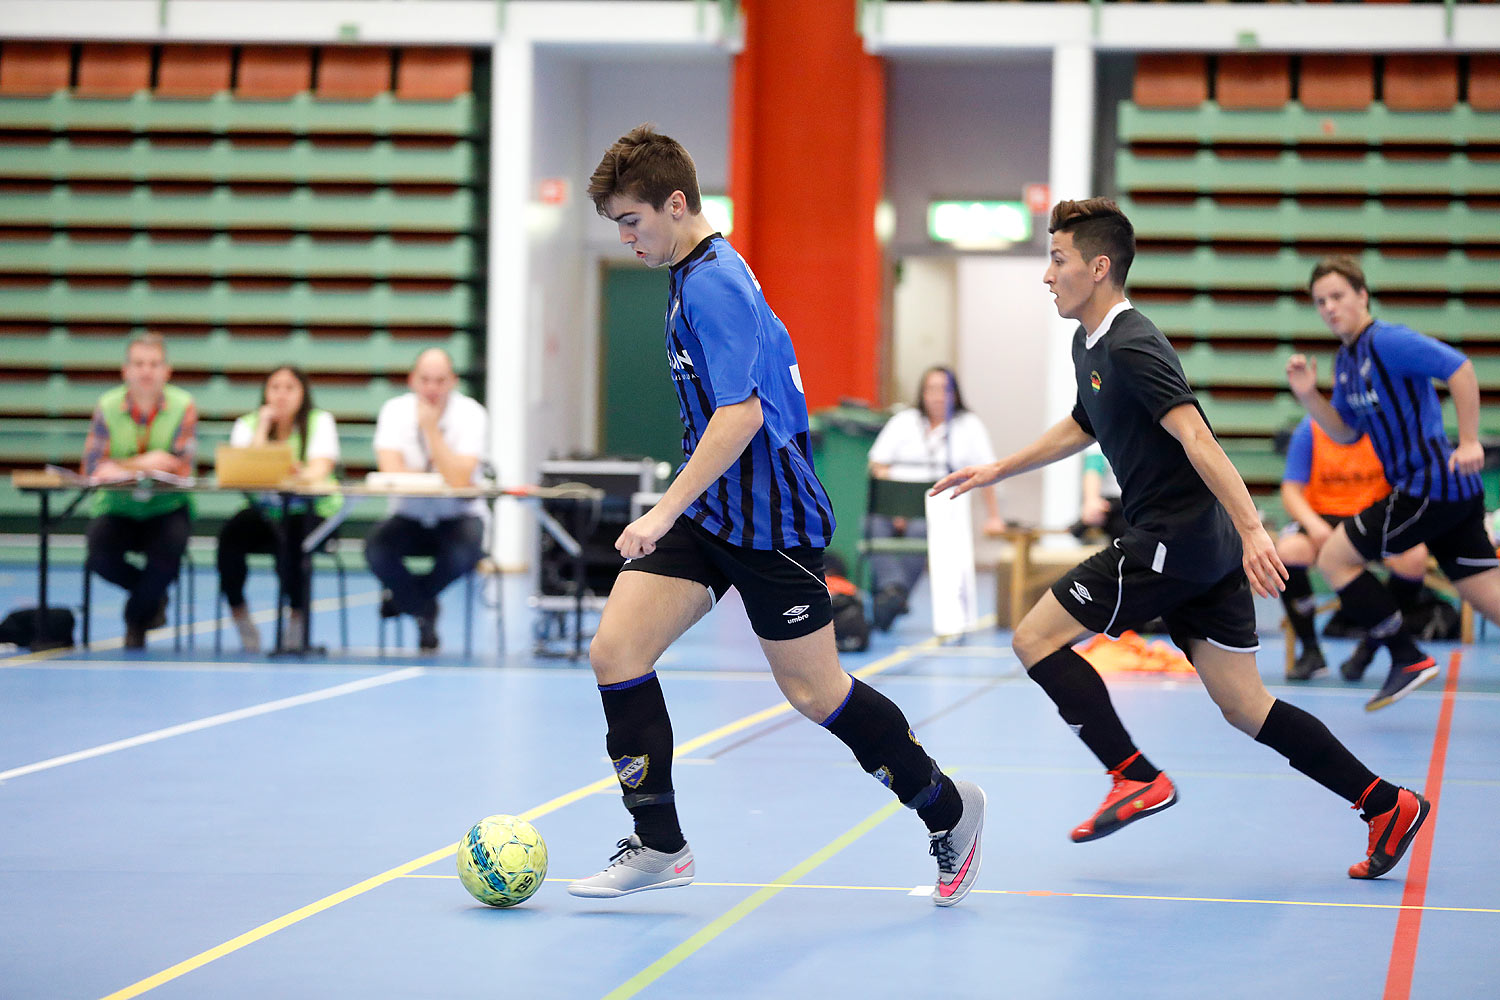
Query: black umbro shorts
[(1112, 591), (1454, 532), (782, 589)]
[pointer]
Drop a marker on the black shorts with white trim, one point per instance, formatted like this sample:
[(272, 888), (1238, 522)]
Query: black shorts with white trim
[(782, 589), (1454, 532), (1112, 591)]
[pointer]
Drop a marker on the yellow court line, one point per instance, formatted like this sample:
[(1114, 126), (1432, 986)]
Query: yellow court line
[(1052, 893), (748, 905), (603, 784)]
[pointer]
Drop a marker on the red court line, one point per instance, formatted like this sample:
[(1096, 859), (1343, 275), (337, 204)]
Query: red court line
[(1409, 925)]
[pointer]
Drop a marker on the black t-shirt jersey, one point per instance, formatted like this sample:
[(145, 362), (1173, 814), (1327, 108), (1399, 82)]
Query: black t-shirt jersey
[(1127, 382)]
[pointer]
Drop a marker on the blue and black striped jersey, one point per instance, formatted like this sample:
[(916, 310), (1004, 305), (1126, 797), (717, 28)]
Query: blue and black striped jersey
[(724, 344), (1382, 385)]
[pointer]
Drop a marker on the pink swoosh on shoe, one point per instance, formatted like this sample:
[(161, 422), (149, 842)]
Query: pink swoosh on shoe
[(679, 869), (947, 890)]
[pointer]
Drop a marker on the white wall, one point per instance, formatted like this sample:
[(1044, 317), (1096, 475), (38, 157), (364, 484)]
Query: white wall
[(963, 129), (923, 322), (584, 103), (1005, 322)]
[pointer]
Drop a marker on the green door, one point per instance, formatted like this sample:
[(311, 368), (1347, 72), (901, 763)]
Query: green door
[(639, 408)]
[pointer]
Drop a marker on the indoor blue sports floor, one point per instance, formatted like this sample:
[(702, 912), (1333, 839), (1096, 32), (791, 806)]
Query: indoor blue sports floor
[(181, 825)]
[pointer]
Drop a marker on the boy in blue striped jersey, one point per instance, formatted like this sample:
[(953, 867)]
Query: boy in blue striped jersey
[(1382, 386), (746, 510)]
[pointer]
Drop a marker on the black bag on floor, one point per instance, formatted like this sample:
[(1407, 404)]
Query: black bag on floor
[(19, 627), (851, 629)]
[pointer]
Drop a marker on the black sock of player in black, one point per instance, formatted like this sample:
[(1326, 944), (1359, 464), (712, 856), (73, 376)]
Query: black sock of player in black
[(1300, 606), (1405, 592), (1366, 603), (1078, 691), (872, 726), (1309, 747), (640, 746)]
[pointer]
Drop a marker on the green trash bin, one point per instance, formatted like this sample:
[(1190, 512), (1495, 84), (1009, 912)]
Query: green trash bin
[(841, 439)]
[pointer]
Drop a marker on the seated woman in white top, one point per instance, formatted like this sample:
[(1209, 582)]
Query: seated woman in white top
[(286, 414), (921, 445)]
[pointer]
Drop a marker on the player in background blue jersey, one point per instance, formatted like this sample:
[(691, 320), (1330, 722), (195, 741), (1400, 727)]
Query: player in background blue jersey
[(1382, 386), (746, 511)]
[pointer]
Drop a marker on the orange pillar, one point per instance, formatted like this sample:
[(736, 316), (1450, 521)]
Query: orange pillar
[(807, 164)]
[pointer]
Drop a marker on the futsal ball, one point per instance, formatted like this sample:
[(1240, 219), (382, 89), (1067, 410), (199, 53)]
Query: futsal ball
[(502, 860)]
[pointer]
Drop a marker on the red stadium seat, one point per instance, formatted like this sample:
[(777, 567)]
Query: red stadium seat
[(353, 73), (1253, 80), (194, 70), (113, 70), (1337, 83), (433, 74), (1427, 82), (1170, 80), (274, 72), (34, 68)]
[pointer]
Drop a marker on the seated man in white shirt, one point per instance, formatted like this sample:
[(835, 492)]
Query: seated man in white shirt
[(433, 428)]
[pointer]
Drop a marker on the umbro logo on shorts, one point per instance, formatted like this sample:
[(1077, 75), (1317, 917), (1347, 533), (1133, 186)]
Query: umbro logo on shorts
[(1080, 593), (797, 614)]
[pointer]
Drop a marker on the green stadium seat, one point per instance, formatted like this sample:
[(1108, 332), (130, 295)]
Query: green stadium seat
[(301, 210), (1247, 415), (297, 304), (1293, 124), (222, 161), (1256, 461), (1208, 172), (1287, 270), (1288, 221), (221, 114), (54, 395), (1208, 365), (374, 352), (300, 256), (1288, 317)]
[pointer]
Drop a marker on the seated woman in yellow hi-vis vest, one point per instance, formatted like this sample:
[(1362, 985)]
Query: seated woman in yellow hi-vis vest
[(143, 426), (1325, 483), (286, 414)]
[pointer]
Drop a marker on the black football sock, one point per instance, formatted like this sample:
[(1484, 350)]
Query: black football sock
[(873, 727), (1309, 747), (1405, 592), (1078, 691), (639, 742), (1301, 606), (1369, 605)]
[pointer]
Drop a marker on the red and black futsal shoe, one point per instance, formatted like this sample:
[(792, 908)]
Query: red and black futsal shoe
[(1126, 802), (1391, 833)]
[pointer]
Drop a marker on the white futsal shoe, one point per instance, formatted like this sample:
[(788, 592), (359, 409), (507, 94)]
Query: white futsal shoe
[(635, 868)]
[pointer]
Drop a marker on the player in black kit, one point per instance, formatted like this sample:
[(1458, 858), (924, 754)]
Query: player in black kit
[(1194, 549)]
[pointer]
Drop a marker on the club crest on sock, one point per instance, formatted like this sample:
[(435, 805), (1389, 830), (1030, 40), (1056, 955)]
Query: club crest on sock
[(882, 774), (632, 770)]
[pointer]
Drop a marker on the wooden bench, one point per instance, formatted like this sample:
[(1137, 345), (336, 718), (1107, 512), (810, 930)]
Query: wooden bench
[(1439, 583), (1025, 570)]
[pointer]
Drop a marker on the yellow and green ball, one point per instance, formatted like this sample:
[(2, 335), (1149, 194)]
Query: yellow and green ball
[(502, 860)]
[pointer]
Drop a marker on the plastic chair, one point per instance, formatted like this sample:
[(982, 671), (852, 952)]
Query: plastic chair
[(327, 545), (892, 498), (176, 601), (470, 578)]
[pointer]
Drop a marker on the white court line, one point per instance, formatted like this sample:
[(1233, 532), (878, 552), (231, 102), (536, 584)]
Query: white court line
[(264, 708)]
